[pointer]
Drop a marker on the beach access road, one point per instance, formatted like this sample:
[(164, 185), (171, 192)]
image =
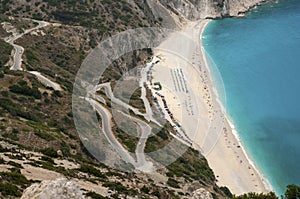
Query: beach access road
[(106, 127), (140, 163), (47, 82), (19, 50)]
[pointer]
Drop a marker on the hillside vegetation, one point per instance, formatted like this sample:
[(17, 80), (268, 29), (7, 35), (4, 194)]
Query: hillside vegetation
[(37, 119), (37, 133)]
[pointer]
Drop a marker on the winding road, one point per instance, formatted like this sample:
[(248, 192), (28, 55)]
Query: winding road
[(109, 93), (19, 50), (47, 82), (140, 163), (106, 127)]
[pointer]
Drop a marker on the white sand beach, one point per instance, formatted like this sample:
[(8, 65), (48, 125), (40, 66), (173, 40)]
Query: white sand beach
[(191, 98)]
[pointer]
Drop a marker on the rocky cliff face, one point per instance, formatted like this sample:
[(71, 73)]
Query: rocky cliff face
[(197, 9), (238, 7)]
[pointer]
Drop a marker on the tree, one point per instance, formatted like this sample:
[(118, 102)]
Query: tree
[(292, 192), (270, 195)]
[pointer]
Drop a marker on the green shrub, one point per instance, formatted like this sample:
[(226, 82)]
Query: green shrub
[(112, 173), (173, 183), (91, 170), (292, 192), (94, 195), (270, 195), (16, 110), (8, 189), (43, 135), (14, 178), (15, 164), (117, 186), (11, 136), (3, 149), (24, 89), (170, 174), (145, 189), (192, 166), (15, 131), (50, 152), (5, 50), (226, 191), (57, 93), (47, 159), (162, 134), (4, 93), (156, 193)]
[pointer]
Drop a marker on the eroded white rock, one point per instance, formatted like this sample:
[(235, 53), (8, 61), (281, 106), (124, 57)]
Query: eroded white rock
[(60, 188), (201, 194)]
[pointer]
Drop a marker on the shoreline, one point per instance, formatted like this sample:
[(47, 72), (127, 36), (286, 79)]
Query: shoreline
[(233, 130), (200, 111)]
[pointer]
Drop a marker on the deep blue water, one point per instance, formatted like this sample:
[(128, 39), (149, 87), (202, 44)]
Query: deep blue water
[(259, 60)]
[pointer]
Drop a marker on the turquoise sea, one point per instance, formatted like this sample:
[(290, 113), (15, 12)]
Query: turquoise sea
[(258, 58)]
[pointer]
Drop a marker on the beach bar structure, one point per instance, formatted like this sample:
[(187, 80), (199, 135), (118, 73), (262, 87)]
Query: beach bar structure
[(157, 86)]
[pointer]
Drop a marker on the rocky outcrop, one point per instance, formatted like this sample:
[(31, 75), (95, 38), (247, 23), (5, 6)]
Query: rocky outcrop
[(199, 9), (239, 7), (56, 189), (193, 9), (201, 194)]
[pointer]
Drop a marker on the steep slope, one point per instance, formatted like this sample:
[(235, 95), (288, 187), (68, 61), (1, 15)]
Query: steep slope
[(119, 15), (197, 9)]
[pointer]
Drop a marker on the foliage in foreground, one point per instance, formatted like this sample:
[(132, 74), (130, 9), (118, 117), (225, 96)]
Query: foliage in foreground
[(292, 192), (270, 195)]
